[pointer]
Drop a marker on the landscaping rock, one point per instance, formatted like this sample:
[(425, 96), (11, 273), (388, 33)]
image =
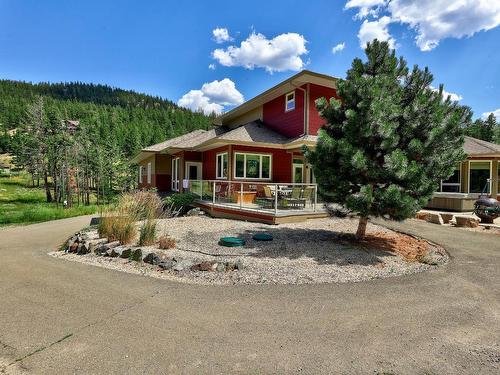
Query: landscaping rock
[(447, 218), (102, 249), (152, 258), (114, 252), (94, 244), (166, 264), (421, 215), (83, 248), (467, 221), (136, 255), (125, 253), (434, 218), (220, 267), (73, 247), (195, 212), (182, 265), (203, 266), (238, 265)]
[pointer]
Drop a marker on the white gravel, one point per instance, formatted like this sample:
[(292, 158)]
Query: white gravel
[(301, 253)]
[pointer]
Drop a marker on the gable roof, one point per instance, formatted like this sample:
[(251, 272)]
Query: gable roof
[(474, 146), (297, 80)]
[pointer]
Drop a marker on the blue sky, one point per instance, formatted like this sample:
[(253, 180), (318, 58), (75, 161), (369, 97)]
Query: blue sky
[(165, 47)]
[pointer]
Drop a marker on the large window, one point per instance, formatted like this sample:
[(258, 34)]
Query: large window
[(290, 101), (452, 184), (221, 165), (252, 166), (479, 176)]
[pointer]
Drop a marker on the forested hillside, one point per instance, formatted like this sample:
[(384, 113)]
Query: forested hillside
[(119, 118)]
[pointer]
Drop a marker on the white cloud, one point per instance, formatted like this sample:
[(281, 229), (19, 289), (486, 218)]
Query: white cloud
[(496, 113), (433, 20), (211, 66), (378, 29), (221, 35), (212, 97), (339, 47), (452, 95), (366, 7), (279, 54)]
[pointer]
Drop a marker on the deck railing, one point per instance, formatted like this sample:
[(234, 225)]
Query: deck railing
[(267, 196)]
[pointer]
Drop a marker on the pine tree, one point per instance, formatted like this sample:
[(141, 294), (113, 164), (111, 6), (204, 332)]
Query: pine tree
[(388, 140), (488, 130)]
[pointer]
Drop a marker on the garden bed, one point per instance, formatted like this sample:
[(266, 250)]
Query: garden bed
[(316, 251)]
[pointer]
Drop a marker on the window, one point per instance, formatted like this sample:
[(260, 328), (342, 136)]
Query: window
[(175, 174), (479, 176), (252, 166), (221, 165), (149, 173), (140, 174), (290, 101), (452, 184)]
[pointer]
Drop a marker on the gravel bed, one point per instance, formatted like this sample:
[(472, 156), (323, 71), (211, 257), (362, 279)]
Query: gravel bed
[(301, 253)]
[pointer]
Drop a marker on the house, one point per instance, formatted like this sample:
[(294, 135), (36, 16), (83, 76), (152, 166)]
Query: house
[(251, 163)]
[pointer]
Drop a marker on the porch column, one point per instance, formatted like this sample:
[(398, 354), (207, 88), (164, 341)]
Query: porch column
[(465, 177), (494, 178)]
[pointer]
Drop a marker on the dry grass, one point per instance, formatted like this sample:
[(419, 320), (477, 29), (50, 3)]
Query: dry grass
[(166, 242)]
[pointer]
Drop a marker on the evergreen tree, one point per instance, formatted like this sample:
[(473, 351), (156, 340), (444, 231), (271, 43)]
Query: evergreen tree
[(389, 139), (489, 126)]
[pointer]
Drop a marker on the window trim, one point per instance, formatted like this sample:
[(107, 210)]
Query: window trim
[(174, 183), (260, 166), (223, 154), (490, 178), (149, 172), (289, 100), (459, 183)]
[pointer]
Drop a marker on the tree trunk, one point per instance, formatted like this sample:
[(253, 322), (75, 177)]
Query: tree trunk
[(363, 220), (47, 187)]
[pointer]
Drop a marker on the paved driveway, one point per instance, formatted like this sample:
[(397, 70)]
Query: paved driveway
[(59, 317)]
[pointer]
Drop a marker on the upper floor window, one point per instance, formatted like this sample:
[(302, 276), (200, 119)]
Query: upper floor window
[(221, 165), (290, 101)]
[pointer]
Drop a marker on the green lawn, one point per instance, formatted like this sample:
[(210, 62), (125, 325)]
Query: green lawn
[(22, 204)]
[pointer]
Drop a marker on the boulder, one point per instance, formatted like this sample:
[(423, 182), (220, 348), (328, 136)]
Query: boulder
[(73, 248), (152, 258), (102, 249), (94, 244), (166, 264), (182, 265), (125, 253), (421, 215), (195, 212), (203, 266), (434, 218), (83, 248), (238, 265), (467, 221), (114, 252), (447, 218), (136, 255)]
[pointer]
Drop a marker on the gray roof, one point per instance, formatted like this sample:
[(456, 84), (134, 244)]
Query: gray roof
[(183, 139), (254, 131), (473, 146)]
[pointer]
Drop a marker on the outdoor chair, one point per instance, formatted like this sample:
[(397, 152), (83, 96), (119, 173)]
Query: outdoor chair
[(307, 195), (295, 200), (267, 198)]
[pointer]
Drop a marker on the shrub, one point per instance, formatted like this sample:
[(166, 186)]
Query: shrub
[(147, 234), (142, 205), (166, 242), (180, 201)]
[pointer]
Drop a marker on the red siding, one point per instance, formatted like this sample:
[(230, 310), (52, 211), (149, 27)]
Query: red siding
[(209, 162), (289, 123), (315, 92)]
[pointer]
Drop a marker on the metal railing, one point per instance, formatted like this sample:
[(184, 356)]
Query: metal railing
[(267, 196)]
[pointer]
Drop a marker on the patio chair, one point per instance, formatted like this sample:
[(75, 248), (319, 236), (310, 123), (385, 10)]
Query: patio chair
[(267, 198), (307, 195), (295, 200)]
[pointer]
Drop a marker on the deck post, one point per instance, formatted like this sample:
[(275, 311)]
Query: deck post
[(275, 200), (315, 196), (241, 195), (213, 193)]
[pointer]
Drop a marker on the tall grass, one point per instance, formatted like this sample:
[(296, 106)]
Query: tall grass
[(119, 222)]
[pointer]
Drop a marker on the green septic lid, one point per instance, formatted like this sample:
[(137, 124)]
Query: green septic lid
[(263, 237), (231, 241)]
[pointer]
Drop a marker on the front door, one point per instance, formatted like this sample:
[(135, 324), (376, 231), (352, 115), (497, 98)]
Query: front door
[(193, 170), (298, 173)]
